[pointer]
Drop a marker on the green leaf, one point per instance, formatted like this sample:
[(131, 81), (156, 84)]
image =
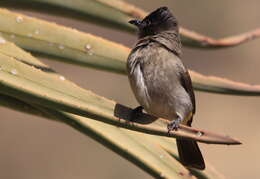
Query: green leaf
[(142, 149), (170, 146), (28, 81), (140, 145), (144, 154), (51, 39), (215, 84), (94, 11), (131, 145), (72, 46), (147, 155), (116, 14)]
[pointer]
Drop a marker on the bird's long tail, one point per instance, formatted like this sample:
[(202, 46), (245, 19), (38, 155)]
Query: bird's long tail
[(190, 154)]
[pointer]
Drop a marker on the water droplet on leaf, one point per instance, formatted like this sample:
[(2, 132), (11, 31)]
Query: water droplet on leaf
[(2, 41), (36, 32), (29, 35), (61, 47), (88, 47), (14, 72), (19, 19), (62, 78)]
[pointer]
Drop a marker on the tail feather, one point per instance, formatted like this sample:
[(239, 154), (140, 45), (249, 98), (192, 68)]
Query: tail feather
[(190, 154)]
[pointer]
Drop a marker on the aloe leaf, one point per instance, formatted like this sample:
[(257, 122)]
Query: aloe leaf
[(88, 126), (72, 46), (117, 140), (145, 154), (128, 146), (215, 84), (91, 10), (116, 14), (170, 146), (38, 36), (114, 138), (79, 48), (30, 83)]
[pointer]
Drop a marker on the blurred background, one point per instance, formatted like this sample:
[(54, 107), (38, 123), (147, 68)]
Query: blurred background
[(32, 147)]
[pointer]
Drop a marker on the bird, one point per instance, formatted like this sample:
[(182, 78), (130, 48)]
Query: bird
[(160, 81)]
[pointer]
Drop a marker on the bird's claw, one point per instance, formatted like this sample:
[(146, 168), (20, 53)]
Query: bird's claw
[(174, 125)]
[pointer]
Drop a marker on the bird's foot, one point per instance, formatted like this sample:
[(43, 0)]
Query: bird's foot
[(174, 125), (136, 112)]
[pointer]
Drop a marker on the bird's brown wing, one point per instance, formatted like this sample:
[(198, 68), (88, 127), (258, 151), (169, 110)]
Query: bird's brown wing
[(187, 85)]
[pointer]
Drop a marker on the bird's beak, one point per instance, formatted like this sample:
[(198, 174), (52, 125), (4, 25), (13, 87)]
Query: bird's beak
[(135, 22)]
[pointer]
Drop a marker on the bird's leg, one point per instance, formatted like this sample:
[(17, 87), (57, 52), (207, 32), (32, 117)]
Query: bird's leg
[(135, 112), (174, 125)]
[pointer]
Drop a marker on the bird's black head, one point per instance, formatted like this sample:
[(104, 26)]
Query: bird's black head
[(156, 22)]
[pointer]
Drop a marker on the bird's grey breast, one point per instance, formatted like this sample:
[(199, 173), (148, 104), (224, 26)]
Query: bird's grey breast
[(154, 74)]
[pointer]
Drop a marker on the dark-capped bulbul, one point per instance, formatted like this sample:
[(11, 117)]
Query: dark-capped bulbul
[(160, 81)]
